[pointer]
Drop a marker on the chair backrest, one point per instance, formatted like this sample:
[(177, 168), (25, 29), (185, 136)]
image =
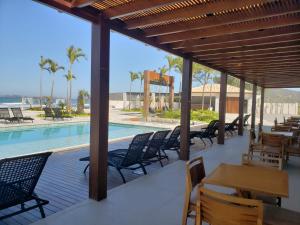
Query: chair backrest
[(48, 112), (246, 117), (19, 176), (58, 112), (17, 112), (273, 140), (135, 149), (195, 172), (211, 127), (261, 160), (173, 139), (235, 121), (221, 209), (4, 113), (281, 128), (155, 144)]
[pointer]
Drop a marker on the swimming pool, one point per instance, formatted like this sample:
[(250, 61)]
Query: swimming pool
[(27, 140)]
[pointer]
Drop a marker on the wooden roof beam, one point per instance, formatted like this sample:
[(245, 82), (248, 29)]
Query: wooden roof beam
[(213, 21), (136, 6), (256, 53), (276, 56), (188, 12), (261, 62), (245, 43), (279, 21), (244, 49), (232, 38)]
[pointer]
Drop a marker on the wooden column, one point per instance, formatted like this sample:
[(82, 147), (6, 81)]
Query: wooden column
[(185, 109), (253, 111), (262, 104), (241, 107), (146, 94), (222, 108), (99, 110)]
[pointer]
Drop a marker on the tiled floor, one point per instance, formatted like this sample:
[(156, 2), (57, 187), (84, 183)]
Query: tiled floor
[(157, 198)]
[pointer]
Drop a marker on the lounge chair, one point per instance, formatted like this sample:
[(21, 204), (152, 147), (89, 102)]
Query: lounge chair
[(172, 143), (58, 114), (48, 113), (206, 133), (18, 178), (246, 118), (17, 112), (127, 158), (4, 115), (231, 127), (153, 152)]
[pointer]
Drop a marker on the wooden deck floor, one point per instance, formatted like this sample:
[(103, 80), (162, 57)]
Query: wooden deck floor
[(64, 184)]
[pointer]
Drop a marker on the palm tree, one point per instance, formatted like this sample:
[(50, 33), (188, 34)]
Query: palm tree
[(74, 54), (42, 64), (69, 76), (82, 96), (133, 76), (53, 68), (141, 76)]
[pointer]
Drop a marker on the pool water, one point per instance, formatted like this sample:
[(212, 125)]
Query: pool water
[(21, 141)]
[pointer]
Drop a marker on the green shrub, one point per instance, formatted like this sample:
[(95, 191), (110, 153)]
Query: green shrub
[(196, 115), (132, 110)]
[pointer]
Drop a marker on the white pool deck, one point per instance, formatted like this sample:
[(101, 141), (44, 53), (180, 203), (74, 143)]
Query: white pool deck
[(158, 198)]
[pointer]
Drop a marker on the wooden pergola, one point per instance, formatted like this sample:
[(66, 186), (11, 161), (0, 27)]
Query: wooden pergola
[(257, 41)]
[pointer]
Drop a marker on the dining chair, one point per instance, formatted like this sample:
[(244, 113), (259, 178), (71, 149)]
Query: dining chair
[(195, 172), (272, 144), (218, 208), (261, 160), (284, 128), (266, 162)]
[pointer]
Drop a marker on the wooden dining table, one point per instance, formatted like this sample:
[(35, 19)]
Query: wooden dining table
[(267, 181)]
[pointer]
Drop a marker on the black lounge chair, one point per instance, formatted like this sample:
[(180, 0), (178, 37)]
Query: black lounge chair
[(17, 112), (172, 143), (48, 113), (4, 115), (153, 149), (127, 158), (206, 133), (231, 127), (58, 114), (18, 178), (246, 118)]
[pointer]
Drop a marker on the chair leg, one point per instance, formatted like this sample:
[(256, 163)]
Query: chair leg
[(123, 178), (159, 159), (85, 169), (203, 141), (144, 169), (41, 209), (211, 141)]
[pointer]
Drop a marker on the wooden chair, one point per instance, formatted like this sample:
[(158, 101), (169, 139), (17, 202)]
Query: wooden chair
[(261, 160), (195, 172), (221, 209), (283, 128), (271, 145), (267, 162), (253, 145)]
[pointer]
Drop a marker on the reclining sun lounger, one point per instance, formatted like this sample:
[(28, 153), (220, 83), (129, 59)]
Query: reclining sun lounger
[(4, 115), (18, 178), (17, 112)]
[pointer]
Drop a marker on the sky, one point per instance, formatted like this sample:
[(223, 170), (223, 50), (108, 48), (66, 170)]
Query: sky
[(30, 30)]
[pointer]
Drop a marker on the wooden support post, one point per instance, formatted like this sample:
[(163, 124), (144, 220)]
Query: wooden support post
[(241, 107), (253, 111), (185, 109), (222, 108), (99, 110), (262, 104), (146, 93)]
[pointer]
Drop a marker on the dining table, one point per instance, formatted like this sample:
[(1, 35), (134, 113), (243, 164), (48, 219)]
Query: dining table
[(267, 181)]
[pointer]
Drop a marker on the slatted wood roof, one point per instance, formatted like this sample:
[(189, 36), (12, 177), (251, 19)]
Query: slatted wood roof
[(258, 40)]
